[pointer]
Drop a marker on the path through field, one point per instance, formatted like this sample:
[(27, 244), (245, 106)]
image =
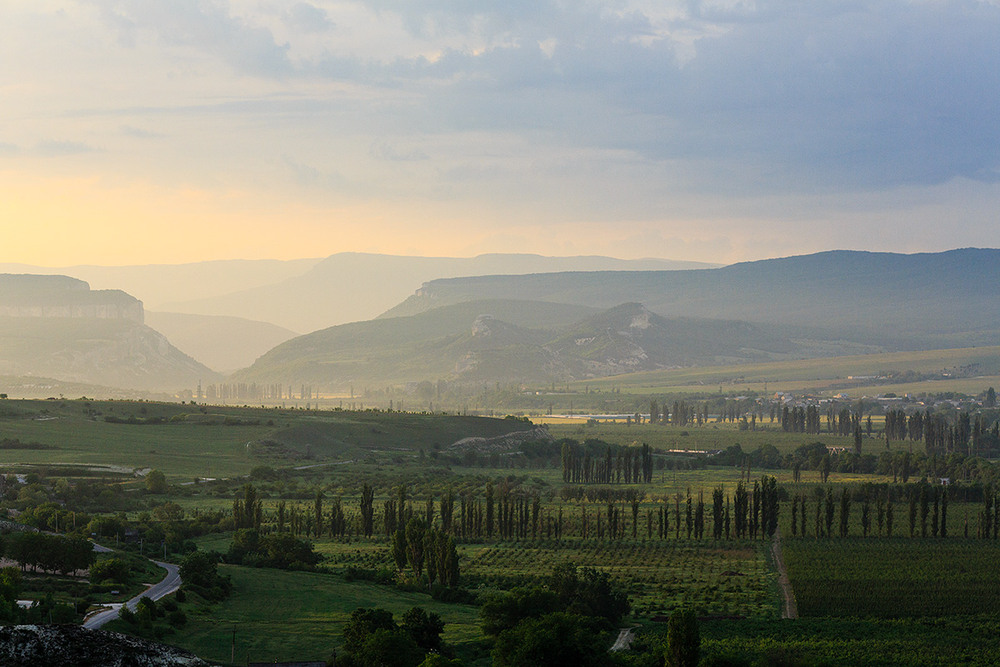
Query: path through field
[(791, 610)]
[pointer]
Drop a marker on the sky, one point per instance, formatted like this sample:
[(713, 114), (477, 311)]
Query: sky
[(145, 131)]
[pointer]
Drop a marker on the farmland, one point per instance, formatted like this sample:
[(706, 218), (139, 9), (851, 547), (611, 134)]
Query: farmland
[(892, 578), (518, 512)]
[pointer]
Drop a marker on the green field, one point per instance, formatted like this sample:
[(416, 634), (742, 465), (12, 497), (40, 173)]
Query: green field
[(947, 584), (894, 577), (820, 374), (853, 642), (712, 436), (299, 616), (196, 441)]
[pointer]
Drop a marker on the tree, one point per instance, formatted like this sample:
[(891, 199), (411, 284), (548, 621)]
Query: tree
[(399, 548), (503, 611), (594, 596), (554, 640), (415, 545), (199, 568), (367, 510), (156, 482), (425, 628), (845, 511), (364, 622), (115, 570), (248, 509), (389, 648), (683, 639)]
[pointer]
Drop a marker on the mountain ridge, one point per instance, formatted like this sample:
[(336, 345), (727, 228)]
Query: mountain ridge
[(924, 295)]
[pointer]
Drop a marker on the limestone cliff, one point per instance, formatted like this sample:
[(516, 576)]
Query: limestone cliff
[(26, 295)]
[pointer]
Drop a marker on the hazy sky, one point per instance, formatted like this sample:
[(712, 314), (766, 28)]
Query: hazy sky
[(141, 131)]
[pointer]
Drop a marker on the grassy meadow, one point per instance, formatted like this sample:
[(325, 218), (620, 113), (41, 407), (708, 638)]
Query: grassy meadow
[(285, 616)]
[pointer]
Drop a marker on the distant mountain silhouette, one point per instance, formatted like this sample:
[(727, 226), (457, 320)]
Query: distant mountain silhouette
[(498, 340), (352, 287), (930, 300), (57, 327)]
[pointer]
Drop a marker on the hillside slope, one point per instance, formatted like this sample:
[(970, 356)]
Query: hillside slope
[(351, 287), (222, 343), (113, 353), (512, 341), (930, 299), (57, 327)]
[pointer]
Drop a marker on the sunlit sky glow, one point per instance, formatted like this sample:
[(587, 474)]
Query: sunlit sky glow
[(145, 131)]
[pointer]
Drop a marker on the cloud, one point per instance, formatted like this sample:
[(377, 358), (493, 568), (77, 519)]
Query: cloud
[(770, 96), (308, 176), (383, 150), (622, 112), (205, 25), (139, 133), (308, 18), (63, 148)]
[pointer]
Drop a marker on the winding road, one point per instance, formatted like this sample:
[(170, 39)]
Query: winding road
[(166, 586)]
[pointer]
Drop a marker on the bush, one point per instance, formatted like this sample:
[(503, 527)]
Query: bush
[(126, 614), (112, 569)]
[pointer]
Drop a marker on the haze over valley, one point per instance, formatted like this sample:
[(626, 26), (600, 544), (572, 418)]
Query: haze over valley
[(533, 326), (375, 333)]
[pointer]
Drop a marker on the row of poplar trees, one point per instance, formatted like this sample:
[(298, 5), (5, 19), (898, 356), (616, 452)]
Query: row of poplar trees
[(629, 466), (504, 513)]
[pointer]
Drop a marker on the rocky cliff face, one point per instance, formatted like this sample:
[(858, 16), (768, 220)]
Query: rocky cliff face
[(24, 295), (75, 646), (57, 327)]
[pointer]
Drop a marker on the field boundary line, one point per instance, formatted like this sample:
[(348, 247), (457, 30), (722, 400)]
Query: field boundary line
[(790, 608)]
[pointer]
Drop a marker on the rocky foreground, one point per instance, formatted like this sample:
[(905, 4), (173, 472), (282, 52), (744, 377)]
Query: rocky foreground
[(75, 646)]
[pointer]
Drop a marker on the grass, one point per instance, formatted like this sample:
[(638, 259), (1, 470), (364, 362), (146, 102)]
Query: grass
[(826, 373), (289, 616), (851, 642), (220, 442), (894, 577), (713, 436)]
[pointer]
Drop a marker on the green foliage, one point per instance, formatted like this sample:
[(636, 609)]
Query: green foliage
[(199, 572), (503, 611), (280, 550), (588, 592), (388, 648), (683, 639), (893, 577), (372, 638), (52, 553), (156, 482), (553, 640), (363, 623), (425, 628), (115, 570)]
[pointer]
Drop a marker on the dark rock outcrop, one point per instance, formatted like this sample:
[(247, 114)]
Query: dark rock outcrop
[(75, 646)]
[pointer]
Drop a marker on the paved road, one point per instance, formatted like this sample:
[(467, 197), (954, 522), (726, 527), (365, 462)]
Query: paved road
[(166, 586)]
